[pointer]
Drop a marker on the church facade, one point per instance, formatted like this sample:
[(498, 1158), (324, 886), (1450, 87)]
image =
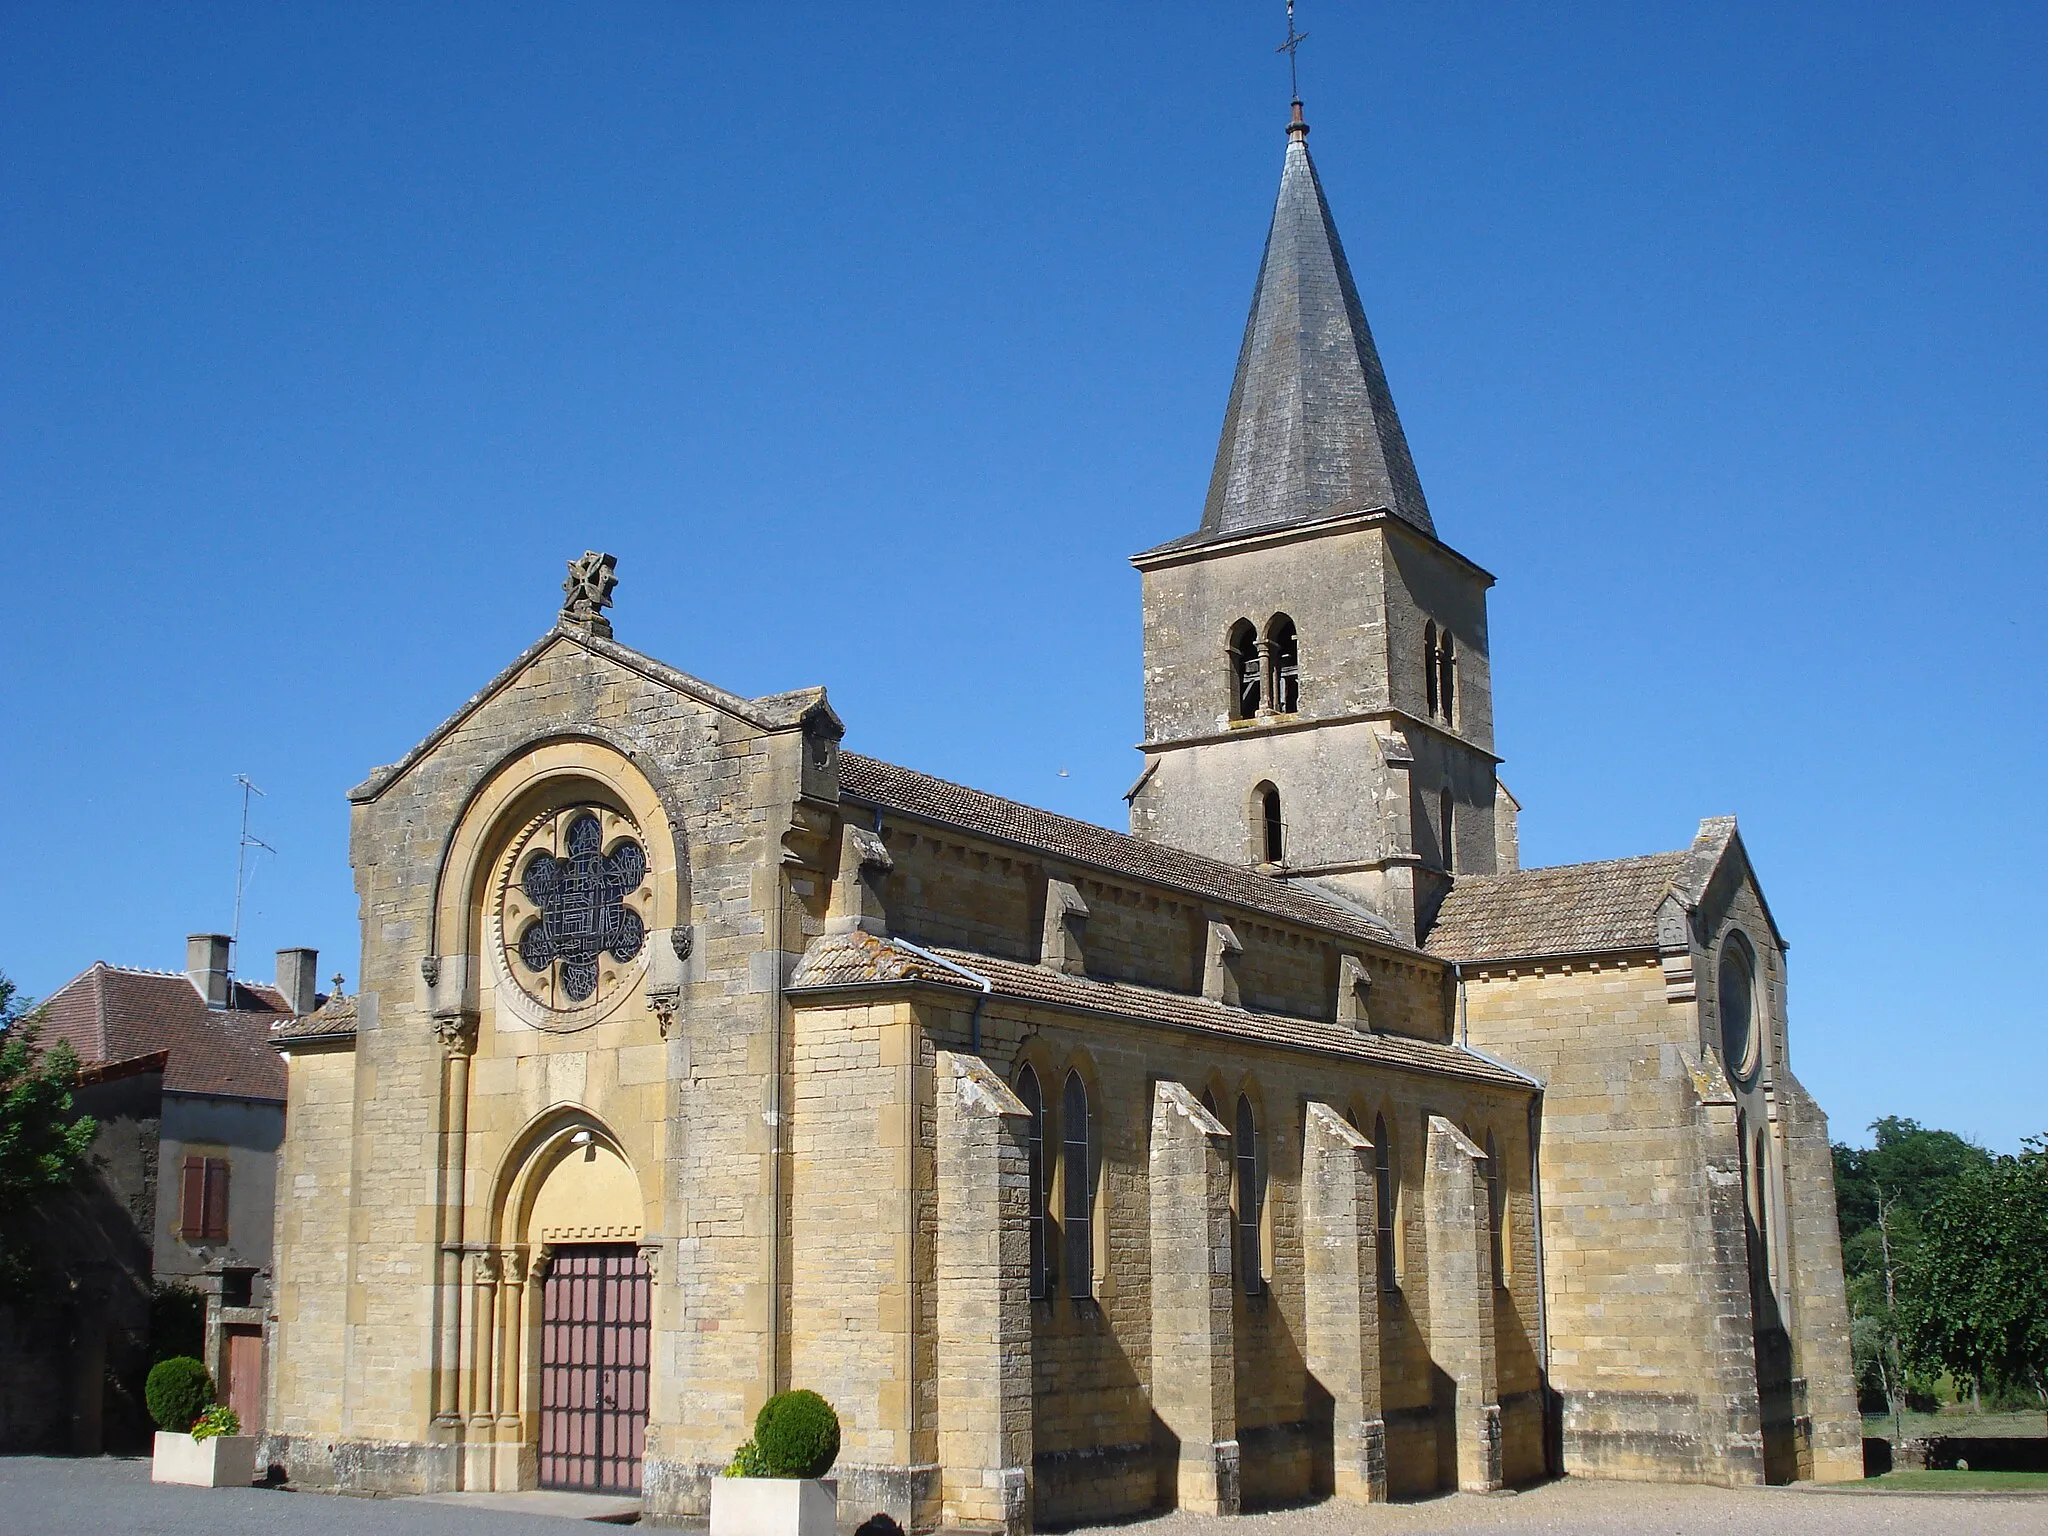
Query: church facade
[(1296, 1142)]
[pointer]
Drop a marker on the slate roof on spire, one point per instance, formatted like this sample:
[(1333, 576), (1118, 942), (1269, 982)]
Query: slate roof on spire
[(1310, 432)]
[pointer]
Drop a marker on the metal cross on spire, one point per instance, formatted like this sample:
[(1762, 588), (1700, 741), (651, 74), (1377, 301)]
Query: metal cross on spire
[(1294, 40)]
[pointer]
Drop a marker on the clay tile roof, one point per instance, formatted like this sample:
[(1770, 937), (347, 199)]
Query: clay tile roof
[(334, 1019), (1566, 909), (1081, 842), (110, 1015), (843, 959), (857, 959)]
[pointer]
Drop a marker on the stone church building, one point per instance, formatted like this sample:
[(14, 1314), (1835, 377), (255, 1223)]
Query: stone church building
[(1295, 1143)]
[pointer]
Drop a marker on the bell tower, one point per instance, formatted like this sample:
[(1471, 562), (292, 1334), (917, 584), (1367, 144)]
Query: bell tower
[(1318, 702)]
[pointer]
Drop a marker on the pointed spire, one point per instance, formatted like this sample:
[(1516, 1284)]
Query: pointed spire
[(1311, 431)]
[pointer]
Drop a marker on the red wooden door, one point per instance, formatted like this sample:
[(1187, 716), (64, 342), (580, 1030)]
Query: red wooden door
[(594, 1341), (245, 1375)]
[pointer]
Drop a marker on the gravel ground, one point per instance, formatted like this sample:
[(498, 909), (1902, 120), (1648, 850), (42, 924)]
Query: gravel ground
[(1638, 1509), (104, 1497)]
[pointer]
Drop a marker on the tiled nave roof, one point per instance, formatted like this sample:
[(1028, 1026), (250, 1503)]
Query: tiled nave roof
[(1565, 909), (919, 794)]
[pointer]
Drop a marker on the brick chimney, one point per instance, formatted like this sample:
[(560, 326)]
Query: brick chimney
[(298, 973), (206, 966)]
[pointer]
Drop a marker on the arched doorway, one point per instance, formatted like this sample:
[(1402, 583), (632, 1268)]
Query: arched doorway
[(577, 1206)]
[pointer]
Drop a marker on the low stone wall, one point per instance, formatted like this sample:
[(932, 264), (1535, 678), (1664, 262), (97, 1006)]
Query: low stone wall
[(1981, 1453), (36, 1386)]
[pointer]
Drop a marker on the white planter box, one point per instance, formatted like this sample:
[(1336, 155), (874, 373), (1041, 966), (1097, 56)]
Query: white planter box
[(222, 1461), (774, 1506)]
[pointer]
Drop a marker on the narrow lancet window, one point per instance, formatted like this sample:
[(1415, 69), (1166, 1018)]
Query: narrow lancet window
[(1246, 670), (1496, 1211), (1284, 649), (1078, 1208), (1447, 829), (1033, 1099), (1384, 1196), (1446, 680), (1269, 831), (1429, 673), (1251, 1267)]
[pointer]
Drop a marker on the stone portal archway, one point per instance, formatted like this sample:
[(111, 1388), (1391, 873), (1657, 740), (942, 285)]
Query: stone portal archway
[(557, 1315)]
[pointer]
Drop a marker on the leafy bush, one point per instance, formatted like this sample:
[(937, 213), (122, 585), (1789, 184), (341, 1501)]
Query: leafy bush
[(177, 1321), (797, 1434), (43, 1145), (220, 1419), (178, 1392), (747, 1461)]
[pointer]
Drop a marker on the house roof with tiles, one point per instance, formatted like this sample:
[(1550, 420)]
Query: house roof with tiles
[(111, 1014), (864, 959), (888, 787), (335, 1019)]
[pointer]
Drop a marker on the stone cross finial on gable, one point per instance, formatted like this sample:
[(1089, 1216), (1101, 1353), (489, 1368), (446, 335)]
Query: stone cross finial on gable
[(588, 592)]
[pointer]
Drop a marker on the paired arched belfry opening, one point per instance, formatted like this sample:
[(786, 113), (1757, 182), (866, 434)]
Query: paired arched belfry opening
[(1283, 651), (1440, 673), (1264, 669), (1247, 671)]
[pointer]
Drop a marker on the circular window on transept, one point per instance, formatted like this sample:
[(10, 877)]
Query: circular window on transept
[(573, 906), (1741, 1040)]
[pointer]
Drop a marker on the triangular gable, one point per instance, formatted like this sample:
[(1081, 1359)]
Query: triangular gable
[(1716, 862), (802, 708)]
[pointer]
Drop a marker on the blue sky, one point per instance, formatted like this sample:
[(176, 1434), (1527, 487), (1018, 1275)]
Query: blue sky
[(874, 339)]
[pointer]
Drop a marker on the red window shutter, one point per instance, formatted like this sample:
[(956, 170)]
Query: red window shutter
[(216, 1203), (192, 1198)]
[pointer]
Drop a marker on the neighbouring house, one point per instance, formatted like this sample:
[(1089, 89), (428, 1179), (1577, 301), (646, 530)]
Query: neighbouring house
[(189, 1094)]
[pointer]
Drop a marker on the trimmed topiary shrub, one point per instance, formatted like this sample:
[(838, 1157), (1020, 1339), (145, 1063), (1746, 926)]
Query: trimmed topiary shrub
[(179, 1391), (797, 1435)]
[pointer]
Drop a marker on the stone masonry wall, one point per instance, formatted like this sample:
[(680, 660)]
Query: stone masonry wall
[(311, 1287), (1350, 810), (854, 1278), (691, 1111), (1628, 1224), (1092, 1428)]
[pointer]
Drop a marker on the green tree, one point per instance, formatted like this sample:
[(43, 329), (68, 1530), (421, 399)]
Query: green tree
[(1976, 1304), (43, 1146), (1908, 1164), (1883, 1193)]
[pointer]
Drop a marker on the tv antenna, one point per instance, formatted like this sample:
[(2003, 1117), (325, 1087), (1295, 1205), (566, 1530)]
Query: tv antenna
[(241, 871), (1294, 40)]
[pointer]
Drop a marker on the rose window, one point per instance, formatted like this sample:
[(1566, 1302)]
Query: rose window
[(573, 911)]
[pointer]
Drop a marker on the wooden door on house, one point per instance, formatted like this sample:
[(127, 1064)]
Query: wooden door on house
[(594, 1344), (245, 1374)]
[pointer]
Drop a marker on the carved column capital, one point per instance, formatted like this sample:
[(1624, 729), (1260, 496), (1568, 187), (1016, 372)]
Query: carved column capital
[(512, 1265), (456, 1032), (650, 1255)]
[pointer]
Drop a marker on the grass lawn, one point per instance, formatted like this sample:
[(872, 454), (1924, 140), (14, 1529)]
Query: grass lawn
[(1963, 1482), (1965, 1425)]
